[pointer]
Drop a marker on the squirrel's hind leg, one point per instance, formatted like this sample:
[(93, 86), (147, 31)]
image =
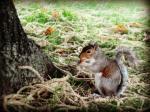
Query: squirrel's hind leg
[(98, 83)]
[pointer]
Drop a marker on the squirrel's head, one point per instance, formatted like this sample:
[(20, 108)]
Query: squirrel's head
[(88, 54)]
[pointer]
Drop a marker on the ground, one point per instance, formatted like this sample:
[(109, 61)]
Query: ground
[(62, 28)]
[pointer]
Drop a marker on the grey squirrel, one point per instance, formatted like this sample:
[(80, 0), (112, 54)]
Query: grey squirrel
[(111, 76)]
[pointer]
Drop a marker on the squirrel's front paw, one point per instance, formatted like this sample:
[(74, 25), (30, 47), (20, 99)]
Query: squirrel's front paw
[(120, 96), (95, 95)]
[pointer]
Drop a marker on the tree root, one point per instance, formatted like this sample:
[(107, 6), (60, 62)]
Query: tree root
[(46, 91)]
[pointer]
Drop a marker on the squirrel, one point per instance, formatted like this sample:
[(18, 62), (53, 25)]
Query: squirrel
[(111, 76)]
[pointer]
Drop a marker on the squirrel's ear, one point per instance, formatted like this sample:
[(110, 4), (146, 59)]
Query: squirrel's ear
[(91, 43), (95, 45)]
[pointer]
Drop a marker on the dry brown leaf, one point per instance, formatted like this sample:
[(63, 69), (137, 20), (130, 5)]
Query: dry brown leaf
[(120, 28), (55, 15), (135, 24), (49, 31)]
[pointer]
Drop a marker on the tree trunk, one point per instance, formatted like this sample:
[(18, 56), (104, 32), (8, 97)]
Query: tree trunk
[(17, 50)]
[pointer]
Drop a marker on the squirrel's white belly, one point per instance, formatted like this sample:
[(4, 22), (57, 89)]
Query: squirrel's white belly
[(109, 84)]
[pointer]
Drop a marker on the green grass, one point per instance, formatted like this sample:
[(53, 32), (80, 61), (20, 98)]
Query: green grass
[(38, 17), (69, 15)]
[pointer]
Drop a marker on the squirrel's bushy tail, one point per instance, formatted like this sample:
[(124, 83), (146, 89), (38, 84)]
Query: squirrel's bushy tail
[(131, 59), (128, 54)]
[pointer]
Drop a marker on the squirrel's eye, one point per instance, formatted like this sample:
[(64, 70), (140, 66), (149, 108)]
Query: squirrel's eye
[(88, 51)]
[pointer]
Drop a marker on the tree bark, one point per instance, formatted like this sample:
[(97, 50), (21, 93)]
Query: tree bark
[(17, 50)]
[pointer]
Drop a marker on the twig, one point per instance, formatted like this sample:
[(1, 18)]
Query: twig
[(25, 87), (34, 71), (67, 106), (83, 78)]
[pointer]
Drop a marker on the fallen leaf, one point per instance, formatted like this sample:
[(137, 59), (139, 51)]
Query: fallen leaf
[(120, 28), (135, 24), (49, 31), (55, 15)]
